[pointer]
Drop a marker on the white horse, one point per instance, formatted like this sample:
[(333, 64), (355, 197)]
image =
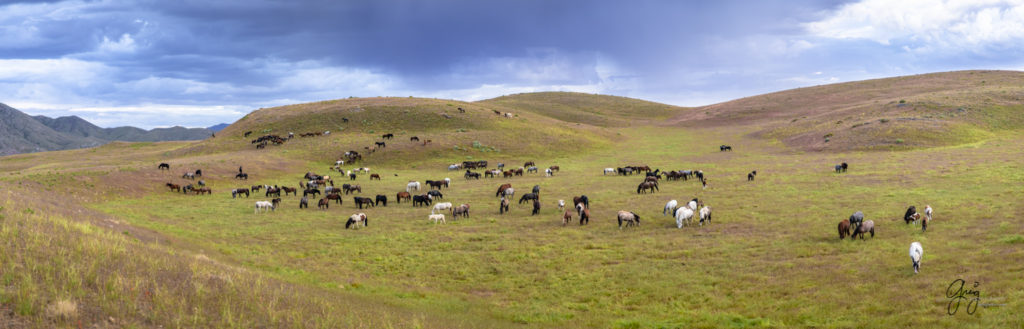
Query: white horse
[(454, 167), (413, 186), (916, 252), (437, 218), (683, 215), (705, 214), (264, 206), (928, 212), (447, 181), (669, 207), (339, 163), (509, 193), (356, 219), (440, 206), (692, 205), (608, 170), (561, 205)]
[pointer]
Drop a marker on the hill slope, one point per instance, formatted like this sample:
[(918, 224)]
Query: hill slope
[(597, 110), (894, 113)]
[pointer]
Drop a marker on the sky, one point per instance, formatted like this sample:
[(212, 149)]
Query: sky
[(157, 63)]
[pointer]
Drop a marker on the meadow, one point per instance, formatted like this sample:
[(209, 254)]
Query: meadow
[(770, 258)]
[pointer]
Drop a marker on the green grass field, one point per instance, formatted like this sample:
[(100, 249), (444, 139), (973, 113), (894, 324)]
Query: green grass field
[(771, 257)]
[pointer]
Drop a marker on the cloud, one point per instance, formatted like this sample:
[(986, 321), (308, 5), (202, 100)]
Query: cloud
[(927, 25)]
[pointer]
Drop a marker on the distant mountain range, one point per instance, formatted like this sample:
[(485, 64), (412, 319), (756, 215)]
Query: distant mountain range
[(22, 133)]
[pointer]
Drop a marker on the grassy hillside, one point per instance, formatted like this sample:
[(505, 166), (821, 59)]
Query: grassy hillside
[(908, 112), (597, 110)]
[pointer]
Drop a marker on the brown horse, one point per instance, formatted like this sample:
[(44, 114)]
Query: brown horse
[(323, 204), (529, 163), (553, 168), (501, 189), (566, 217), (508, 174), (291, 190), (174, 187), (844, 229), (202, 190), (585, 216), (519, 172), (374, 176), (334, 196), (403, 195), (645, 186)]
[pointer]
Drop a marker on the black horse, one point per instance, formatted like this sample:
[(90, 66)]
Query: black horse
[(528, 196), (164, 166), (314, 192), (536, 208), (242, 176), (436, 194), (360, 201), (536, 189), (724, 148), (420, 200), (381, 199)]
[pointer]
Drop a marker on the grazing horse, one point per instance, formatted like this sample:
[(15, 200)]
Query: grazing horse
[(683, 215), (414, 139), (239, 191), (630, 218), (387, 136), (440, 207), (403, 195), (566, 217), (528, 197), (529, 163), (273, 190), (470, 174), (421, 200), (916, 252), (501, 189), (503, 206), (380, 199), (314, 192), (608, 170), (323, 204), (334, 196), (264, 206), (536, 189), (435, 194), (304, 203), (188, 175), (247, 133), (242, 176), (671, 205), (360, 201), (561, 205), (507, 174), (255, 188), (460, 210), (908, 217), (202, 190), (536, 208), (436, 218), (374, 176), (412, 186), (435, 184), (554, 168), (548, 172), (582, 199), (381, 144), (353, 189), (174, 187), (199, 172), (705, 215), (839, 168), (845, 166), (291, 190), (724, 148), (844, 229), (856, 219), (356, 219), (584, 214), (645, 186), (532, 169), (164, 166), (867, 226)]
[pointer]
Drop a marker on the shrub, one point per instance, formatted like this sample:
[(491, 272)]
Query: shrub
[(902, 101), (883, 120)]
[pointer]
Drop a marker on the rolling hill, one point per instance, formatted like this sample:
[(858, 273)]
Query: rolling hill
[(592, 109), (927, 110)]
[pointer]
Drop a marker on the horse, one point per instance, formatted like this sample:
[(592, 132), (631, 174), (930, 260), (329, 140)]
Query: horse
[(645, 186), (247, 133), (916, 252), (273, 190), (351, 176), (374, 176), (242, 176), (314, 192), (323, 204), (630, 218), (554, 168), (435, 184), (462, 209), (671, 205), (239, 191), (839, 168), (421, 200), (387, 136), (292, 190), (608, 170), (403, 195), (724, 148), (381, 144), (584, 214), (414, 139), (470, 174), (582, 199), (360, 201), (844, 229), (503, 205), (928, 212), (435, 194), (501, 189), (334, 196), (353, 189), (507, 174), (561, 205), (304, 202), (264, 206), (683, 215), (750, 176), (531, 169), (536, 208), (202, 190), (705, 215), (379, 199), (355, 219), (908, 217), (501, 166), (536, 189), (867, 226), (275, 202), (548, 172), (163, 166), (566, 217), (174, 187), (447, 181), (856, 219), (529, 163), (845, 166), (441, 206), (529, 196), (436, 218), (412, 186), (518, 171), (255, 188), (188, 175), (199, 172)]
